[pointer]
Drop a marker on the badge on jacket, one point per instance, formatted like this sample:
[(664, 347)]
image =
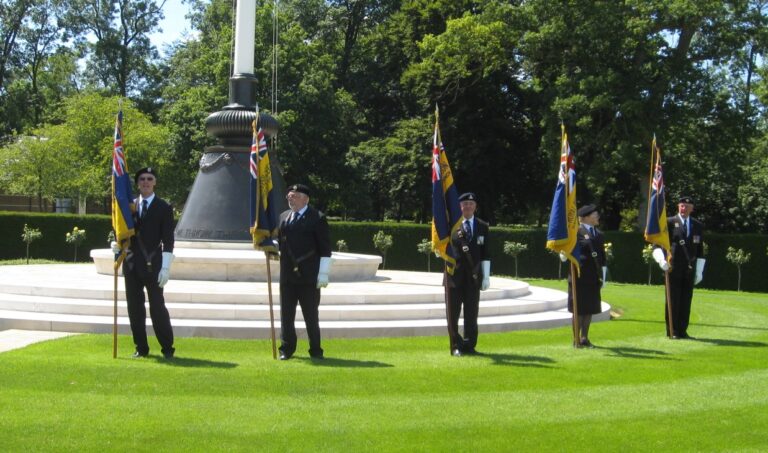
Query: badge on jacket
[(480, 240), (696, 239)]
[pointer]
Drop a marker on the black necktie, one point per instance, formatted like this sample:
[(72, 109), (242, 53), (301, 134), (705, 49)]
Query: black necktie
[(591, 231), (467, 230), (144, 207), (685, 226)]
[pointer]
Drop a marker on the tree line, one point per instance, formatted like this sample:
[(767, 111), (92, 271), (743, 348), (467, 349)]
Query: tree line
[(357, 85)]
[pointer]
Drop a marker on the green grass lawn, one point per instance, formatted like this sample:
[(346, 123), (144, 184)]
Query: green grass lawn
[(528, 391)]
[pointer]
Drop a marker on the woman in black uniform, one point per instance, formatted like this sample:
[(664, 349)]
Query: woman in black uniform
[(591, 244)]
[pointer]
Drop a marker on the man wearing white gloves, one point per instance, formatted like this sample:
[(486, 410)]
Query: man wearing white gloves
[(687, 267), (147, 266), (305, 262), (471, 274)]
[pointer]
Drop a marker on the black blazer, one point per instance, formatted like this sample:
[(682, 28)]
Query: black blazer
[(155, 231), (478, 250), (302, 243), (685, 248)]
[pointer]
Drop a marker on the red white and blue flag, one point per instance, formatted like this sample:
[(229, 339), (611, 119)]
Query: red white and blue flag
[(656, 231), (122, 196), (563, 226), (446, 213), (264, 217)]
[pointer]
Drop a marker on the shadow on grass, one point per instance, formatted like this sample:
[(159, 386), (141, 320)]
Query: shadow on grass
[(193, 363), (636, 353), (333, 362), (726, 342), (530, 361)]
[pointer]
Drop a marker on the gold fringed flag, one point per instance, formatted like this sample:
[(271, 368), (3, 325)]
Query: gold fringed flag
[(563, 221), (264, 217), (446, 213), (122, 197), (656, 231)]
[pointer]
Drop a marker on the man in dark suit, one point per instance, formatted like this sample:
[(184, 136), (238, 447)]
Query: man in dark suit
[(305, 262), (687, 269), (147, 266), (471, 274)]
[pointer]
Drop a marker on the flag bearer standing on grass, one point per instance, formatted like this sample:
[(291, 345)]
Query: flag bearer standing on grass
[(563, 223)]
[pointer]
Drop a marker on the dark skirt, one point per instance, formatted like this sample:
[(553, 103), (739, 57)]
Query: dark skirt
[(587, 293)]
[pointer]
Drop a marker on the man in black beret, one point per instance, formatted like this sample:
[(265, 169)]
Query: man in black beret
[(305, 262), (589, 281), (471, 274), (147, 266), (687, 265)]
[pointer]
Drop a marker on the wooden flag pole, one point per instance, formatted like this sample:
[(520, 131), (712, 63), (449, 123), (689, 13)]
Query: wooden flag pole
[(271, 310), (576, 338), (114, 310), (451, 333), (669, 305)]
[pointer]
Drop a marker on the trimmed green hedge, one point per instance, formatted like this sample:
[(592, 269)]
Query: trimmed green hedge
[(536, 262), (54, 227)]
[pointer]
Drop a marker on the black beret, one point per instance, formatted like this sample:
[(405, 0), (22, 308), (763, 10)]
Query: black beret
[(148, 170), (586, 210), (685, 199), (469, 196), (299, 188)]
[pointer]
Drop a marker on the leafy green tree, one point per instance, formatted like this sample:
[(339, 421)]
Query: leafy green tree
[(120, 55), (81, 166), (30, 168), (738, 257), (341, 245), (76, 237), (425, 247), (648, 259), (382, 242), (514, 249), (30, 235)]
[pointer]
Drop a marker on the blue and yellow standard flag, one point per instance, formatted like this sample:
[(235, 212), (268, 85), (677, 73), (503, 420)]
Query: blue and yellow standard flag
[(656, 231), (446, 213), (264, 217), (122, 196), (563, 222)]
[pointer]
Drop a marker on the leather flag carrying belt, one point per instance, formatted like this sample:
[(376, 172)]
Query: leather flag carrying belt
[(465, 249), (296, 261), (147, 256)]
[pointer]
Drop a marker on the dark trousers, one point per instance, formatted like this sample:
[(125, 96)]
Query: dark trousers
[(308, 296), (680, 295), (136, 280), (468, 296)]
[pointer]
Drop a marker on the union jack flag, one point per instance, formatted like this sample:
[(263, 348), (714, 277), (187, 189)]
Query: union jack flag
[(563, 223)]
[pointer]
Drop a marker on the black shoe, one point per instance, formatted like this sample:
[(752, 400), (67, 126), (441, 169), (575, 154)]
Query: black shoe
[(456, 352), (587, 344), (139, 355), (470, 351), (168, 355), (674, 337), (319, 356), (284, 355), (685, 336), (577, 345)]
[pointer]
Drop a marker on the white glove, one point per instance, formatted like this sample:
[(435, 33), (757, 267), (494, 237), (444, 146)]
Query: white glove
[(563, 258), (605, 275), (115, 248), (165, 269), (486, 275), (325, 268), (699, 270), (658, 255)]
